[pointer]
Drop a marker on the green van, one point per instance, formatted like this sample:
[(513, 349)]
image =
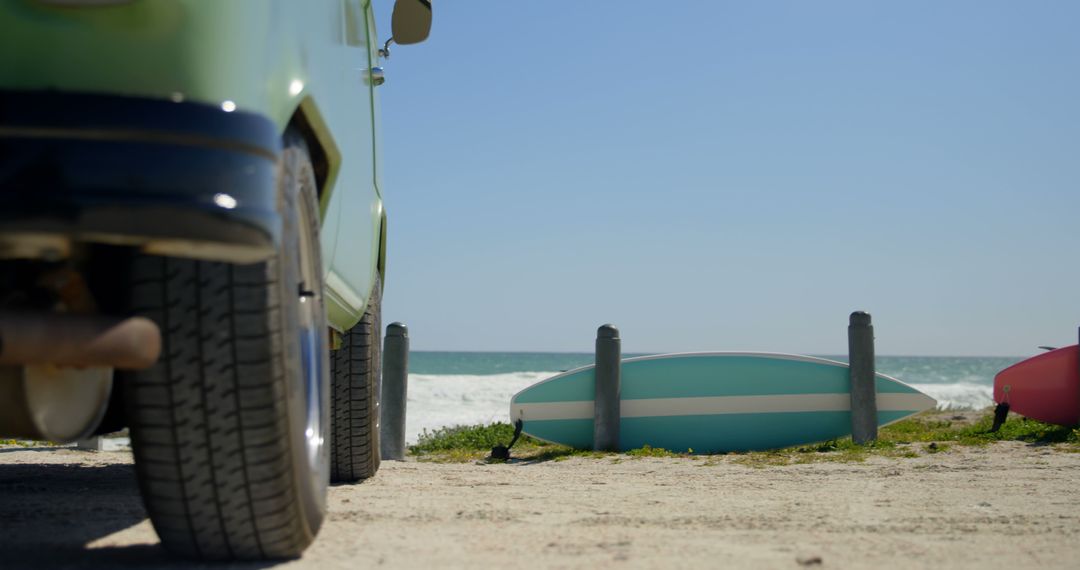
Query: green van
[(193, 246)]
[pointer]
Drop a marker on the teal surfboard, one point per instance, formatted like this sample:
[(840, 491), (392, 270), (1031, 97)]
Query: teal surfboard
[(711, 402)]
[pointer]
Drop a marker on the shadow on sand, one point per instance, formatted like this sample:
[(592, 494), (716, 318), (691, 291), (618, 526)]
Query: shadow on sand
[(51, 512)]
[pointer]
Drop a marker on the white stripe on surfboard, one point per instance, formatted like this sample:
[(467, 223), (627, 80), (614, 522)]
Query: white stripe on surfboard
[(717, 405)]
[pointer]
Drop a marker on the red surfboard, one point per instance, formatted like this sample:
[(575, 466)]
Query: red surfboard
[(1045, 387)]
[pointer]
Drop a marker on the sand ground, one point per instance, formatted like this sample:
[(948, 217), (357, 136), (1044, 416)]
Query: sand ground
[(1008, 505)]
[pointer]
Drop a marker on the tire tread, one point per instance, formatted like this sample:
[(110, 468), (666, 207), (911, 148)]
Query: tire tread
[(209, 422), (354, 406)]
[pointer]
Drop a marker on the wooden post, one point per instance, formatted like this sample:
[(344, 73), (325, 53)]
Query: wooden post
[(608, 389), (395, 389), (861, 368)]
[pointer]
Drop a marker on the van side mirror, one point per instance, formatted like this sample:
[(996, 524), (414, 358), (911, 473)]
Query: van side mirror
[(411, 21)]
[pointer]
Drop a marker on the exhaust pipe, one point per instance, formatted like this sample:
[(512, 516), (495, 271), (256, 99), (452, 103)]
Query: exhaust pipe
[(78, 340), (51, 403), (56, 370)]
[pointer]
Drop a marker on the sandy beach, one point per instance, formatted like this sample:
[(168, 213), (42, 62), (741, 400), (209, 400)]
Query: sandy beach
[(1005, 505)]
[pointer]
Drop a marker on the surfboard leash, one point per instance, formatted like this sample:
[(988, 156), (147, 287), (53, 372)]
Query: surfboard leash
[(502, 453), (1000, 413)]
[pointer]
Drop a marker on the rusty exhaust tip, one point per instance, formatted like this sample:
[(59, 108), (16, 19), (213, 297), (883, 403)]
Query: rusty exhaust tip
[(78, 340)]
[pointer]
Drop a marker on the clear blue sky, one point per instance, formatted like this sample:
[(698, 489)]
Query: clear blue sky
[(735, 175)]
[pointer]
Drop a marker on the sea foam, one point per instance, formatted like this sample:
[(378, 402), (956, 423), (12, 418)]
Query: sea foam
[(437, 400), (959, 395)]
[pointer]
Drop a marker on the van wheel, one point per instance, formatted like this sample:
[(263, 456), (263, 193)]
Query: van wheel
[(228, 427), (357, 384)]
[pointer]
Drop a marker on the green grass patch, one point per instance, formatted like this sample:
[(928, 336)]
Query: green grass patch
[(837, 450), (650, 451), (923, 434), (933, 427), (461, 444), (28, 443), (469, 438)]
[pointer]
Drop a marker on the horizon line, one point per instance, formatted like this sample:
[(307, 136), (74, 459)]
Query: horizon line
[(638, 352)]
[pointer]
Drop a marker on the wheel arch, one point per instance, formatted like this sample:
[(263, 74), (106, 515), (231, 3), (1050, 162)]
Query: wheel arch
[(325, 155), (326, 159), (381, 263)]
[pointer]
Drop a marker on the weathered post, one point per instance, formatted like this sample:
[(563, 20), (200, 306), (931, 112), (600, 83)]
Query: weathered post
[(608, 389), (395, 388), (861, 368)]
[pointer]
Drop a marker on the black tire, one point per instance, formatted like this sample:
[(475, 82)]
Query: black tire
[(357, 382), (217, 425)]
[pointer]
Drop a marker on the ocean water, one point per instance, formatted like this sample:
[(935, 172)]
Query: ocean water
[(463, 388)]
